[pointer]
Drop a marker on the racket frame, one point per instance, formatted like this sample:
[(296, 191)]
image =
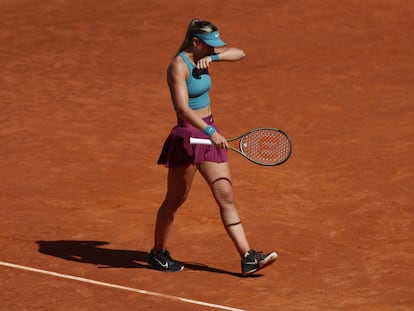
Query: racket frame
[(206, 141)]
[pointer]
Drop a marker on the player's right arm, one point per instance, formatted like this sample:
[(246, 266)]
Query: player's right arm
[(177, 74)]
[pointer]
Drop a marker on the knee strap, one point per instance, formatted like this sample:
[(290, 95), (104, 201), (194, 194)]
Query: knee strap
[(233, 224), (220, 179)]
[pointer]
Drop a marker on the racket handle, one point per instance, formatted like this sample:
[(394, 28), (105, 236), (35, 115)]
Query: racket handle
[(200, 141)]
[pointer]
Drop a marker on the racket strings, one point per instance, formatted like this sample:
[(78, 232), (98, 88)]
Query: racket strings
[(266, 146)]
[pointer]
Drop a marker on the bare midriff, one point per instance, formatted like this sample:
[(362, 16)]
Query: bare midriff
[(203, 112)]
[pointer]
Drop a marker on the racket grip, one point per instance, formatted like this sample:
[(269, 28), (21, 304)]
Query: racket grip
[(200, 141)]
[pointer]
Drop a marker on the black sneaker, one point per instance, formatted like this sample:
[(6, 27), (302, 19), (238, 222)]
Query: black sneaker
[(162, 261), (256, 261)]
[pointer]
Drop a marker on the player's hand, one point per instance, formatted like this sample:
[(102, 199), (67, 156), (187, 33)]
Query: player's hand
[(219, 141), (204, 63)]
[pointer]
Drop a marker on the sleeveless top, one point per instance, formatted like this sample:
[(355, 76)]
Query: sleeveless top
[(198, 85)]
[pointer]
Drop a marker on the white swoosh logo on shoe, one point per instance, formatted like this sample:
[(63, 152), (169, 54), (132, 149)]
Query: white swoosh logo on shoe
[(252, 262), (217, 35), (164, 265)]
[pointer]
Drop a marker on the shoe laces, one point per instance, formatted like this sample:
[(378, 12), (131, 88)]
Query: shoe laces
[(164, 254), (254, 255)]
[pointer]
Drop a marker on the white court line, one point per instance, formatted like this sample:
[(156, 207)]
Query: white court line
[(141, 291)]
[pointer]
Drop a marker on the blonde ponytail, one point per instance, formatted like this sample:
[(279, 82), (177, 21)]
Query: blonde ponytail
[(196, 26)]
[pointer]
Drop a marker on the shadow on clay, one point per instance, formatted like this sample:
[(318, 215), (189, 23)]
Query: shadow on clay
[(91, 252)]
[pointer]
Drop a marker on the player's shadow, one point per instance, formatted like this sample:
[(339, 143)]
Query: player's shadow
[(90, 252)]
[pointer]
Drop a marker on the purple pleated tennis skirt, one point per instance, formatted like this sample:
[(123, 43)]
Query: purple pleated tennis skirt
[(177, 150)]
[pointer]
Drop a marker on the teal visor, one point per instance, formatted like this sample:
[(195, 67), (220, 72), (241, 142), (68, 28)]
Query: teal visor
[(211, 38)]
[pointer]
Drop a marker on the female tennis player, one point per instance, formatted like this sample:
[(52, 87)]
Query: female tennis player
[(189, 83)]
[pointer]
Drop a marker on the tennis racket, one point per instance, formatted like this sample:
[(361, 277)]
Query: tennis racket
[(263, 146)]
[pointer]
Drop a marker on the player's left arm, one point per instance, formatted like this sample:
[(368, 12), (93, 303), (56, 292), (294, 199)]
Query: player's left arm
[(229, 54)]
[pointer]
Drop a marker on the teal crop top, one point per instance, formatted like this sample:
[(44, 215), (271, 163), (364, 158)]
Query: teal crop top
[(198, 85)]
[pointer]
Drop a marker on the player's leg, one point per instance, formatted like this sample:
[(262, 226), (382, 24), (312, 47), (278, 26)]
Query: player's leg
[(178, 186), (218, 177)]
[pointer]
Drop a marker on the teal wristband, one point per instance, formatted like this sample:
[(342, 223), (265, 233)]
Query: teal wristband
[(209, 130), (214, 57)]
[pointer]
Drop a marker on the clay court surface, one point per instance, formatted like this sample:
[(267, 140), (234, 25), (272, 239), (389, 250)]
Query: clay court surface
[(85, 109)]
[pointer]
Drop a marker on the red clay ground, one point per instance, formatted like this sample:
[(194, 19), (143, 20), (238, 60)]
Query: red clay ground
[(85, 110)]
